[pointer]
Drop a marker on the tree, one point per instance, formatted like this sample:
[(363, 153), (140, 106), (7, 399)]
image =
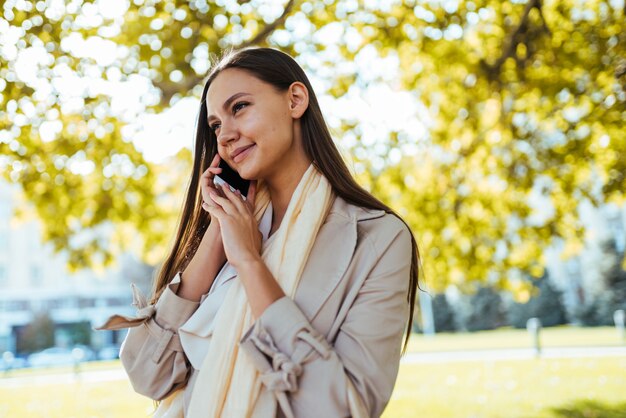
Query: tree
[(77, 332), (37, 335), (527, 105), (599, 305), (486, 310), (520, 109), (443, 314), (614, 279), (545, 304)]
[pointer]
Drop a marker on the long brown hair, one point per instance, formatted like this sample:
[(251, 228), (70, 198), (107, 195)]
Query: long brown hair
[(279, 70)]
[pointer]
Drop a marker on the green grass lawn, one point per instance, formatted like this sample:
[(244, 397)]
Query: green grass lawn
[(582, 388), (564, 336), (593, 387), (541, 388), (79, 399)]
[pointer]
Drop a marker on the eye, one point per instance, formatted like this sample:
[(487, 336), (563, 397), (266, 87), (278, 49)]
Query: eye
[(214, 127), (238, 106)]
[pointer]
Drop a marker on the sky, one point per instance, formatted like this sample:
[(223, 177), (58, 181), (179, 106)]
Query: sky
[(164, 134)]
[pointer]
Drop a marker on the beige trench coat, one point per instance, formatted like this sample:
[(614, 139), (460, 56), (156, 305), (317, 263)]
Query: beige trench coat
[(345, 321)]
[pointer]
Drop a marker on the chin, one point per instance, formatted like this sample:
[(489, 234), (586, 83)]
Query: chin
[(248, 171), (247, 174)]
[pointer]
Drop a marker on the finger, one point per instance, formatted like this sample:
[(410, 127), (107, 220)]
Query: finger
[(205, 191), (225, 204), (206, 205), (235, 198), (214, 170), (214, 165), (209, 173), (207, 179), (216, 212)]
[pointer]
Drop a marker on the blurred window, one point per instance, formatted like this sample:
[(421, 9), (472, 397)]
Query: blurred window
[(69, 302), (53, 304), (15, 305), (117, 301), (86, 302), (3, 273)]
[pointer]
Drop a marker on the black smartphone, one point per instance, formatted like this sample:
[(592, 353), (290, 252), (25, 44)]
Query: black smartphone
[(231, 177)]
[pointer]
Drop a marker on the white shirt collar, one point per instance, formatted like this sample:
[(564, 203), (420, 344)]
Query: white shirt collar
[(265, 225)]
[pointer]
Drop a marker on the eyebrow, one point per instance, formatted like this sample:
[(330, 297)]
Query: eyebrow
[(228, 102)]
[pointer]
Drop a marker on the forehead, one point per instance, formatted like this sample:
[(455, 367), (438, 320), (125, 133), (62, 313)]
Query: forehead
[(232, 81)]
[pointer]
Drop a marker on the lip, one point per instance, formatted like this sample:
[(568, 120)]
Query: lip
[(240, 153)]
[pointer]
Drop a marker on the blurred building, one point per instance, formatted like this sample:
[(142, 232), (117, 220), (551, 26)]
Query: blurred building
[(34, 280)]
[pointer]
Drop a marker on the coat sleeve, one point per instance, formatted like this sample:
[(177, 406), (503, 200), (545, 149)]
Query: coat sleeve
[(297, 363), (152, 354)]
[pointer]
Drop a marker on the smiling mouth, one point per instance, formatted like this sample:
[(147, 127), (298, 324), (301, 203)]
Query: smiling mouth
[(239, 156)]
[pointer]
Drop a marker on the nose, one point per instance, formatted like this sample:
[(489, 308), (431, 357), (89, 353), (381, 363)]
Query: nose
[(227, 133)]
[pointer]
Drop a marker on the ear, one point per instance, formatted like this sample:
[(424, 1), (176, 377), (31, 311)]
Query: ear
[(298, 96)]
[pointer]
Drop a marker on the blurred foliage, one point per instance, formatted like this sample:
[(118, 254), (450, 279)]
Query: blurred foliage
[(523, 102), (598, 305), (545, 304), (77, 332), (486, 311), (615, 282), (443, 314)]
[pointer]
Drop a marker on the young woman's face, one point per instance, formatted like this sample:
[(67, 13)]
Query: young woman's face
[(253, 123)]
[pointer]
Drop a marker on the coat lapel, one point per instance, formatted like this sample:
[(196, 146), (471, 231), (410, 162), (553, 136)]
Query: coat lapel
[(331, 255)]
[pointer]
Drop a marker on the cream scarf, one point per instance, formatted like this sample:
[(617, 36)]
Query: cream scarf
[(228, 384)]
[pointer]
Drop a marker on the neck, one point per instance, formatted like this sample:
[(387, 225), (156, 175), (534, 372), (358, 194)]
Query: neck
[(281, 189), (283, 182)]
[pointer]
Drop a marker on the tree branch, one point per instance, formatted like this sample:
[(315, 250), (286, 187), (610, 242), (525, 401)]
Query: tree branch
[(271, 27), (514, 39), (168, 90)]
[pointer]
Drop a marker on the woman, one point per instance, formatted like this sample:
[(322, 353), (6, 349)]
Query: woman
[(290, 302)]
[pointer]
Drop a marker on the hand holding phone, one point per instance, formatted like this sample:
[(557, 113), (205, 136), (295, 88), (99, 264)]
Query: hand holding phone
[(233, 224), (232, 178)]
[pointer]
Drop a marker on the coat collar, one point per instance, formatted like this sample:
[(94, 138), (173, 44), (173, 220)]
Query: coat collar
[(348, 211), (331, 255)]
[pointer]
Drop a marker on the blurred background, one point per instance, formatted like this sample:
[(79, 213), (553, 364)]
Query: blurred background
[(495, 128)]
